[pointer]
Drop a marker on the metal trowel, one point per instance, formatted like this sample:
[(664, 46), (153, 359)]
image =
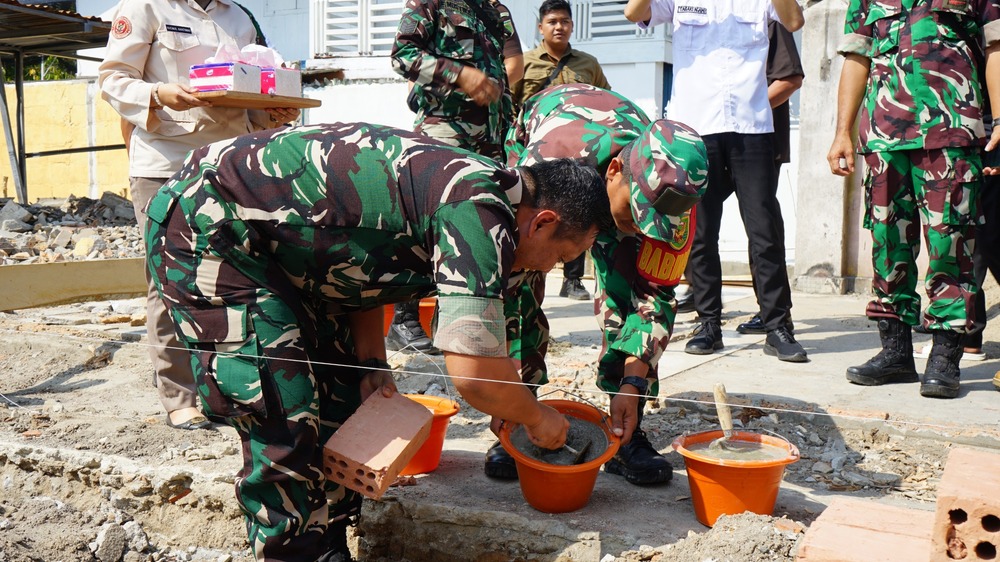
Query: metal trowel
[(581, 454)]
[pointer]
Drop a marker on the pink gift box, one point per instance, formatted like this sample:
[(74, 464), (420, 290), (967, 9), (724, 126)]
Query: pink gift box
[(281, 82), (234, 76)]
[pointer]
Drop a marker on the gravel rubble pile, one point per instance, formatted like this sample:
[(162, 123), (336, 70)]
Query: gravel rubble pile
[(77, 228)]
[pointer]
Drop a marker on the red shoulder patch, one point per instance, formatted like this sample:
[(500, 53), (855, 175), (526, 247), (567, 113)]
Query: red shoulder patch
[(121, 28)]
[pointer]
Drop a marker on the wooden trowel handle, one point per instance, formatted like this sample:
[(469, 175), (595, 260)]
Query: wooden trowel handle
[(722, 407)]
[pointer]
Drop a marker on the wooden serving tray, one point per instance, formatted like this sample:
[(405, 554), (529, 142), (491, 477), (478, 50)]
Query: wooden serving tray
[(247, 100)]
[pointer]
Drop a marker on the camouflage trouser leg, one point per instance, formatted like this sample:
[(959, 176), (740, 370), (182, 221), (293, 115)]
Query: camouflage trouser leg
[(281, 488), (938, 190), (530, 348), (256, 369), (459, 134)]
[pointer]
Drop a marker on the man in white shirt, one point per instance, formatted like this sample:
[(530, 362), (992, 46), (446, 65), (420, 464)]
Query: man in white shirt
[(720, 90)]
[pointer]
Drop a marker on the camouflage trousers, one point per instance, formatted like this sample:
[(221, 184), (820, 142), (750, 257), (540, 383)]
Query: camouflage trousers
[(935, 191), (258, 368), (462, 135)]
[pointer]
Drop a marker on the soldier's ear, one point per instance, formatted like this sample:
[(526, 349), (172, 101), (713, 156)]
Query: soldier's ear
[(543, 219), (614, 169)]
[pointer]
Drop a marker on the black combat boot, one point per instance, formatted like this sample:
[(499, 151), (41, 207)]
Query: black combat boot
[(499, 463), (406, 333), (894, 363), (942, 373), (638, 461)]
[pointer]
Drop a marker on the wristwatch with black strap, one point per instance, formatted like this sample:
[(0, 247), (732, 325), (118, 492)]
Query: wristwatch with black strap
[(373, 364), (641, 384)]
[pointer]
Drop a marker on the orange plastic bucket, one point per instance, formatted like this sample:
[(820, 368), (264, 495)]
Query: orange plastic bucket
[(728, 487), (552, 488), (429, 455), (426, 314)]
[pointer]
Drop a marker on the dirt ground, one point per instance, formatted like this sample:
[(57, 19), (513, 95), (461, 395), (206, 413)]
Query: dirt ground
[(89, 470)]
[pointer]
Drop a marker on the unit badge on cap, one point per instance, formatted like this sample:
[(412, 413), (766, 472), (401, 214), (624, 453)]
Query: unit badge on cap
[(121, 28)]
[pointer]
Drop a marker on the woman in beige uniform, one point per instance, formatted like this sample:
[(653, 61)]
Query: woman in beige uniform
[(144, 77)]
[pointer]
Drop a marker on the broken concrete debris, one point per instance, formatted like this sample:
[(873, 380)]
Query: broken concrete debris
[(77, 228)]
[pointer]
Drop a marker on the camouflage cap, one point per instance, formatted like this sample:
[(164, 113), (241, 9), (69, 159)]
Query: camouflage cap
[(668, 165)]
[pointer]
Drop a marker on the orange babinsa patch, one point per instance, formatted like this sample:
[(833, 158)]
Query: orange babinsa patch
[(664, 262)]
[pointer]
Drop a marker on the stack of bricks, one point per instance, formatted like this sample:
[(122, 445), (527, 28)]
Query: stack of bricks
[(372, 447), (965, 526)]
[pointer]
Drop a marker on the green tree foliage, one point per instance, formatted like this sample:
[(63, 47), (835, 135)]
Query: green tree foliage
[(44, 68), (54, 68)]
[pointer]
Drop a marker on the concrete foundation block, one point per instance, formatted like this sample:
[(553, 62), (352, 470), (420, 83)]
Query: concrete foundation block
[(370, 449), (852, 530), (967, 525)]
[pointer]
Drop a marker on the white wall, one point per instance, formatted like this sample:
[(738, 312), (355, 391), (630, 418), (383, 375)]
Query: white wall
[(380, 102)]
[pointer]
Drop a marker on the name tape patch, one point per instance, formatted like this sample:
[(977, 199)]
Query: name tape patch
[(179, 29), (701, 10)]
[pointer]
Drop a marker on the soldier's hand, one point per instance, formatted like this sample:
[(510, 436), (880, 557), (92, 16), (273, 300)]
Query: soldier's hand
[(179, 97), (375, 380), (550, 431), (625, 413), (841, 156), (475, 84), (282, 115), (989, 169)]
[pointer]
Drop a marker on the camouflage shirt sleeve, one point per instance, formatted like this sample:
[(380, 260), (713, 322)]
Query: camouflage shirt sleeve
[(636, 315), (517, 137), (414, 53), (473, 256), (857, 38)]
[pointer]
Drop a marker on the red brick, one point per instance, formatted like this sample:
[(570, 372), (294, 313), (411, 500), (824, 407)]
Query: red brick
[(852, 530), (967, 526), (369, 450)]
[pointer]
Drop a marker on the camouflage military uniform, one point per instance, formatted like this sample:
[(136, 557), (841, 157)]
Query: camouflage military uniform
[(920, 131), (261, 244), (635, 307), (436, 38)]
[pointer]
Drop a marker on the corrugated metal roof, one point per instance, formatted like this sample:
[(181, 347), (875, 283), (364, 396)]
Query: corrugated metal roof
[(36, 28)]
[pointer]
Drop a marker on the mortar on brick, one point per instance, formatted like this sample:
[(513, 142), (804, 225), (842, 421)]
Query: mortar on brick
[(369, 450)]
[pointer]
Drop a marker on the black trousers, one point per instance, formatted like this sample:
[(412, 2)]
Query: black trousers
[(574, 269), (742, 164), (781, 226), (985, 256)]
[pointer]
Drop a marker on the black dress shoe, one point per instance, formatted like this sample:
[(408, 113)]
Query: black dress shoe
[(781, 343), (707, 339), (409, 335), (499, 463), (756, 326), (573, 289)]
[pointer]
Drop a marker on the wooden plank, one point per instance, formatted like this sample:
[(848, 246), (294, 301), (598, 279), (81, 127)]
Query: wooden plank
[(47, 284), (247, 100)]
